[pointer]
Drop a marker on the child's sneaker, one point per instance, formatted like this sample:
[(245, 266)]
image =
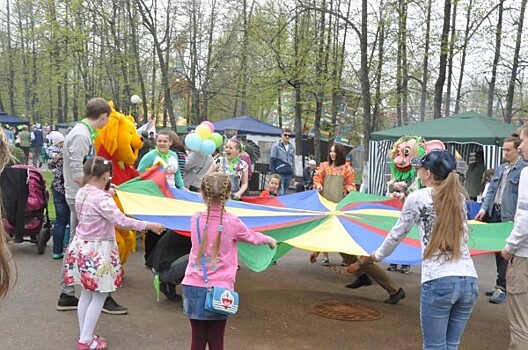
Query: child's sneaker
[(490, 291), (392, 267), (325, 262), (405, 269), (498, 297)]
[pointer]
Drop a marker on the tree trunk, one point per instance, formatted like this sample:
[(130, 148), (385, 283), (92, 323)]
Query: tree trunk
[(337, 74), (193, 74), (513, 77), (365, 82), (439, 85), (26, 73), (425, 72), (163, 65), (279, 103), (244, 58), (402, 79), (377, 121), (496, 58), (10, 63), (447, 108), (133, 20), (319, 84), (210, 47), (463, 59)]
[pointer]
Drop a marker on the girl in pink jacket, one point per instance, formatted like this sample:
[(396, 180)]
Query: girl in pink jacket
[(92, 259), (219, 233)]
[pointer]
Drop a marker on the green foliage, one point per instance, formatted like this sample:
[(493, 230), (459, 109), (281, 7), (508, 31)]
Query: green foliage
[(18, 156), (63, 52), (48, 176)]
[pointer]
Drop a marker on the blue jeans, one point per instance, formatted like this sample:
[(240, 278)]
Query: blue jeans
[(62, 212), (445, 307), (285, 184)]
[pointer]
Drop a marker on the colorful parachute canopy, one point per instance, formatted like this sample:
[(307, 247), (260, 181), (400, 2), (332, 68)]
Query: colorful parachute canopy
[(357, 225)]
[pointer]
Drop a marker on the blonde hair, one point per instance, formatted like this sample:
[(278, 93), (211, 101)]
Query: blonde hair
[(448, 230), (216, 189), (523, 130), (6, 258), (275, 176)]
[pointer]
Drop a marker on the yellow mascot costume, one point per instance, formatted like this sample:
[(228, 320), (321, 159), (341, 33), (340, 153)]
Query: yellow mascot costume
[(119, 142)]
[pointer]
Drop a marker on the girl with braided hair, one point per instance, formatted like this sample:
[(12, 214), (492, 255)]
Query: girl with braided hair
[(216, 240)]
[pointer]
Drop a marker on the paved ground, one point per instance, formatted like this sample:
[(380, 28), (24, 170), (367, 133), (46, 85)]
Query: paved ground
[(272, 316)]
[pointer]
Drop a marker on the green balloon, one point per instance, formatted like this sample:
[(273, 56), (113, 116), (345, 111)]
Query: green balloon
[(217, 139)]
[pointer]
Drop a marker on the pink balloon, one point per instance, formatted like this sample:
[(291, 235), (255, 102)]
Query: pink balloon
[(209, 125)]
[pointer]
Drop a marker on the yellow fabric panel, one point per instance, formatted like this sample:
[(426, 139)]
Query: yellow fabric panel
[(142, 204), (330, 236), (376, 212)]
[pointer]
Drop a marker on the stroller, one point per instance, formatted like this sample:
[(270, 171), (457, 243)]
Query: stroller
[(25, 202)]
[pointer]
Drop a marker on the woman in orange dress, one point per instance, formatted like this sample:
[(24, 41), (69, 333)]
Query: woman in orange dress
[(336, 166)]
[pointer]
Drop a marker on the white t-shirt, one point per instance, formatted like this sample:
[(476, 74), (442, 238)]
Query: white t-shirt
[(418, 209)]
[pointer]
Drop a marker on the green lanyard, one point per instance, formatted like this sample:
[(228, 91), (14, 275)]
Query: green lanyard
[(93, 132), (164, 156), (232, 163)]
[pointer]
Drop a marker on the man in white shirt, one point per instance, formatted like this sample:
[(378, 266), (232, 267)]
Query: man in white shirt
[(516, 253)]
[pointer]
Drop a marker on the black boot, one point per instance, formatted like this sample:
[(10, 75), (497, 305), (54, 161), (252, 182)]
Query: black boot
[(169, 290), (361, 281)]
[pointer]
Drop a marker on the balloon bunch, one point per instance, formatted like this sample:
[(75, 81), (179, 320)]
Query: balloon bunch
[(204, 139)]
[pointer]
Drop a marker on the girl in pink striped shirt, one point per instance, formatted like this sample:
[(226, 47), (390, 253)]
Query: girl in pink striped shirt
[(92, 259)]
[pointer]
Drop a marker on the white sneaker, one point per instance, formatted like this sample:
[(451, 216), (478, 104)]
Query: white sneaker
[(325, 262)]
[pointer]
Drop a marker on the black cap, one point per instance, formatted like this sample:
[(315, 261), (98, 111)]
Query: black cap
[(439, 162)]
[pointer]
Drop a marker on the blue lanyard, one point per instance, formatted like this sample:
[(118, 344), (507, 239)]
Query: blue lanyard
[(220, 230)]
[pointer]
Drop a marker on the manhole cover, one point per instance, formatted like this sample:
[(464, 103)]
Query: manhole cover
[(345, 311)]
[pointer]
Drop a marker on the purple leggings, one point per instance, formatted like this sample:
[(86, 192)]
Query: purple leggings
[(207, 332)]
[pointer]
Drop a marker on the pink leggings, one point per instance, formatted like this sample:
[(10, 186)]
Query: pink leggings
[(208, 332)]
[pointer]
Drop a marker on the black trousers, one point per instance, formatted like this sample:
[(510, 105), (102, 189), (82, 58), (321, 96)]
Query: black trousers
[(501, 264), (151, 239)]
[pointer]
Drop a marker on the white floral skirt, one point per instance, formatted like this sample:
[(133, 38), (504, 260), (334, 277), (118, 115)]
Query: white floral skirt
[(93, 264)]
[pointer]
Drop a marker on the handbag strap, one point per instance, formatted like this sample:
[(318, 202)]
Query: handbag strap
[(220, 230), (204, 268)]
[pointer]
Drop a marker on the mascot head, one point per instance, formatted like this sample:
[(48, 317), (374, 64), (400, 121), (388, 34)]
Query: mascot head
[(404, 178), (406, 148), (403, 150), (119, 138)]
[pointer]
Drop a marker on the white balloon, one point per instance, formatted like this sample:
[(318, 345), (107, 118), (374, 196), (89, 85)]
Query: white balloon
[(135, 99)]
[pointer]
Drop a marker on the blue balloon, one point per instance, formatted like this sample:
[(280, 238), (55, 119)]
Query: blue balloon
[(207, 147), (193, 141)]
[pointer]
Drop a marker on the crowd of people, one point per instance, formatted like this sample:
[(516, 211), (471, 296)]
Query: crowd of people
[(83, 198)]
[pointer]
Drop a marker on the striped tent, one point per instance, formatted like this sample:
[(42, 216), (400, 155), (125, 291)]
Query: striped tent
[(465, 133)]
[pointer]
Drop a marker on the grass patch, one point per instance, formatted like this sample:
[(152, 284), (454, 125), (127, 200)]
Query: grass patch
[(48, 176)]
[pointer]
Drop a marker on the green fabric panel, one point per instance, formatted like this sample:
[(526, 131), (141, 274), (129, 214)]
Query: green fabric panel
[(489, 236), (137, 185), (354, 197), (258, 258), (481, 236)]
